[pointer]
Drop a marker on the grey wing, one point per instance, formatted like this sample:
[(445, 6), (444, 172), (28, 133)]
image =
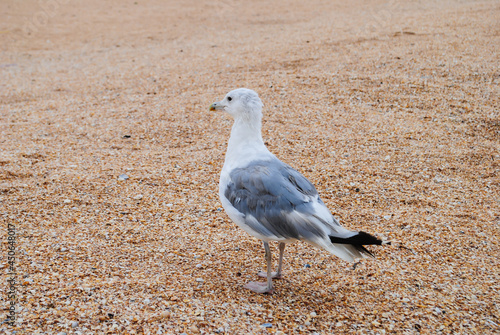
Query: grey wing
[(267, 193)]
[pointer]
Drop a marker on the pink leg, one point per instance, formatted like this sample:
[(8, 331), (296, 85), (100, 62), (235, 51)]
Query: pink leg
[(259, 287), (276, 275)]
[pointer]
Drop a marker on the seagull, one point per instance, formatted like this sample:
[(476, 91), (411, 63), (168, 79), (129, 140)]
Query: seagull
[(272, 201)]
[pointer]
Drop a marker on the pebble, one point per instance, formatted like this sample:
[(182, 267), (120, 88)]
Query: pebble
[(147, 301), (67, 201), (138, 197), (123, 177), (126, 260), (74, 324), (199, 280), (267, 325)]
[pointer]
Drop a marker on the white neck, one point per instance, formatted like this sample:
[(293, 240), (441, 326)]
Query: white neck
[(245, 143)]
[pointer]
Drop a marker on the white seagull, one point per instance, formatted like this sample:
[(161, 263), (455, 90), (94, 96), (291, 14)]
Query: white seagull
[(269, 199)]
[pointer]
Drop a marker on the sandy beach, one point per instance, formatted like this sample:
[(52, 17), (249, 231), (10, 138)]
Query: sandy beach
[(110, 162)]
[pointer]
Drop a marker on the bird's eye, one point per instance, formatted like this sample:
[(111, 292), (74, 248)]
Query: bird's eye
[(229, 98)]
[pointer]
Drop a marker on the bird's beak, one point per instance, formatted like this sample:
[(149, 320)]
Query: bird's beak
[(216, 106)]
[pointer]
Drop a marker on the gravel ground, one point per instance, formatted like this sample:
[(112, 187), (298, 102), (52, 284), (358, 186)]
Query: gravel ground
[(391, 108)]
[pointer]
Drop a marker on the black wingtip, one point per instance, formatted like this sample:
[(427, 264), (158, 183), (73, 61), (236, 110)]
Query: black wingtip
[(361, 238), (364, 250)]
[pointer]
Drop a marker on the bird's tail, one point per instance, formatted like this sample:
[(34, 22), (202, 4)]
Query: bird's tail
[(354, 245)]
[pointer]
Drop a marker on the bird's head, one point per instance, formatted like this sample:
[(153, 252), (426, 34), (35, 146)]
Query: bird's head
[(241, 103)]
